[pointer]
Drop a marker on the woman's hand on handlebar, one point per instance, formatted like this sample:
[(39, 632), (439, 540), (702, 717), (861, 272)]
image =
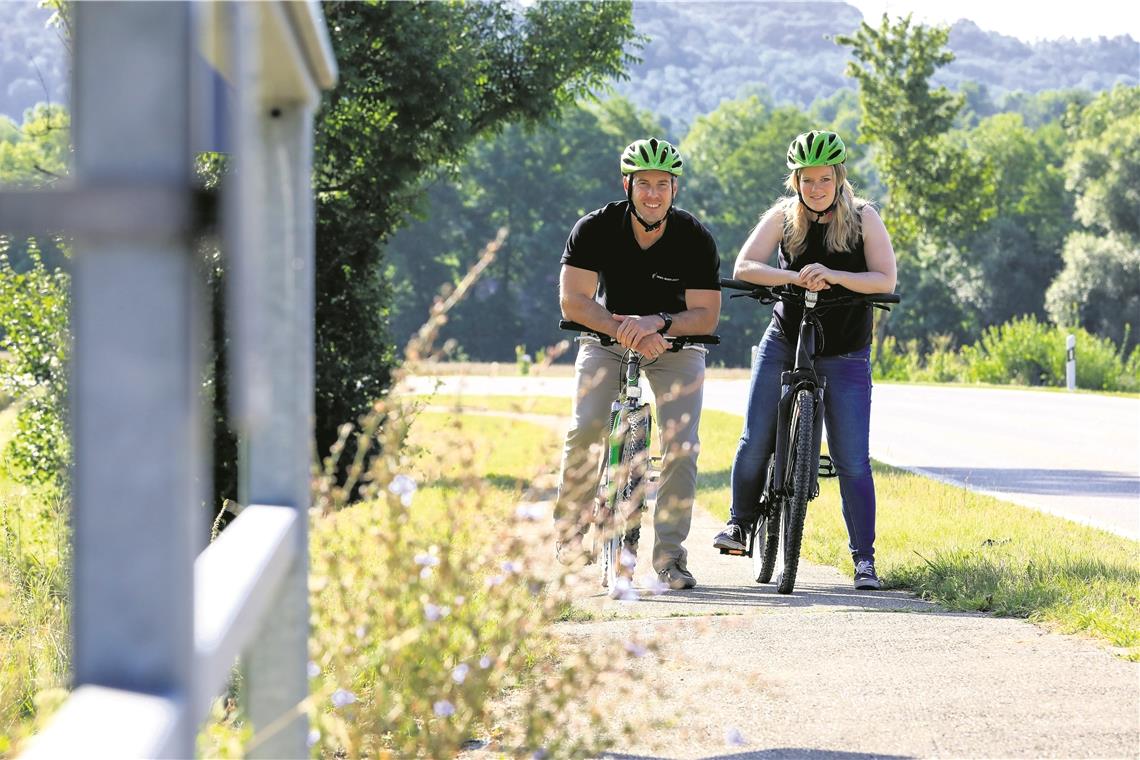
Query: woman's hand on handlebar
[(816, 277)]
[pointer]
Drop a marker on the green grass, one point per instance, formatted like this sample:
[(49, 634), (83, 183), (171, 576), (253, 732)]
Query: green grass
[(549, 405), (33, 597), (963, 550)]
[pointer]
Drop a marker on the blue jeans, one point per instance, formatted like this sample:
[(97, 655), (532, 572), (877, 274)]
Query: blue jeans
[(847, 419)]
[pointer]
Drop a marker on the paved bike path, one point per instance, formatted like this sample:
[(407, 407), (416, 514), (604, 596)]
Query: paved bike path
[(831, 673), (828, 672)]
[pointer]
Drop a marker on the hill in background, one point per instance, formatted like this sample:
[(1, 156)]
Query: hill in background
[(702, 53)]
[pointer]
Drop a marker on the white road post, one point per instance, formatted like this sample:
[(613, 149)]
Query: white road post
[(1071, 362)]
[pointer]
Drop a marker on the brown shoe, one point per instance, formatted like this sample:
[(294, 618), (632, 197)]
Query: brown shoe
[(676, 577)]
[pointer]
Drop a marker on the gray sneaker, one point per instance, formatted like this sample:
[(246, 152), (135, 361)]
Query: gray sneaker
[(676, 576), (865, 577)]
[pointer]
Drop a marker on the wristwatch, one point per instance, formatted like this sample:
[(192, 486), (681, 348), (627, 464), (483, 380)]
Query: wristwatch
[(668, 322)]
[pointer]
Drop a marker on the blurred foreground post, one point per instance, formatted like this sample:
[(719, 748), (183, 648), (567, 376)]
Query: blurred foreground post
[(1071, 362), (158, 621)]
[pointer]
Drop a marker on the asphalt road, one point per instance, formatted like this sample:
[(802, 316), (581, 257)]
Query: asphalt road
[(1076, 455)]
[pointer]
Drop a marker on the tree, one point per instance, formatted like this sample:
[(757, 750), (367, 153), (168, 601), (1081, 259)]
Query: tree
[(536, 181), (1032, 214), (419, 82), (937, 195), (1099, 285)]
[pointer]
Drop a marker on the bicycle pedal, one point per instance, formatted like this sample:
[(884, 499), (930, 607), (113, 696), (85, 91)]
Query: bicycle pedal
[(827, 467), (734, 552)]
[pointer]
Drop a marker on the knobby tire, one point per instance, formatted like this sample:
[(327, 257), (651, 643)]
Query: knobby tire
[(766, 534), (795, 505)]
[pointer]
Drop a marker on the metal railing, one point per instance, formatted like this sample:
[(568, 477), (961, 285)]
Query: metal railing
[(158, 619)]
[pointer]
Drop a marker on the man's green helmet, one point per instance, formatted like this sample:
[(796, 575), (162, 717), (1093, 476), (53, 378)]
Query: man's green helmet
[(649, 155), (816, 148)]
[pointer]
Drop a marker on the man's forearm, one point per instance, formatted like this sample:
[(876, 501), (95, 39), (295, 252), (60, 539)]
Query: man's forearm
[(700, 320), (588, 312)]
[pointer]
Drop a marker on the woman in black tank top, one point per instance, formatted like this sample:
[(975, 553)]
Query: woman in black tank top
[(823, 238)]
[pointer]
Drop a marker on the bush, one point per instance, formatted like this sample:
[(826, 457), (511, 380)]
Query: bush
[(34, 322), (1023, 351)]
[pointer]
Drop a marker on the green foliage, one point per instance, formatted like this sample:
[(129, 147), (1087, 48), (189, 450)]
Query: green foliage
[(419, 82), (535, 181), (431, 599), (37, 152), (1099, 287), (34, 324)]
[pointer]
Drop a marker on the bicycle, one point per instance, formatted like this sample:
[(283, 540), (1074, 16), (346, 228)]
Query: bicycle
[(624, 471), (795, 465)]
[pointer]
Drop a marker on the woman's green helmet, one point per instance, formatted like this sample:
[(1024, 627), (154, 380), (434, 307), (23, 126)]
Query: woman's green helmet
[(816, 148), (649, 155)]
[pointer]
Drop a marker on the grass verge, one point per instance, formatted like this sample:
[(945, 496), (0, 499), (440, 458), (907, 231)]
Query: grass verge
[(33, 601), (964, 550)]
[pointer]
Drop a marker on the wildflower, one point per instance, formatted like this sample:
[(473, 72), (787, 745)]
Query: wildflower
[(484, 662), (733, 737), (425, 573), (403, 486), (495, 580), (343, 697), (625, 590), (313, 669), (539, 754), (432, 612), (628, 559), (443, 708), (530, 512), (313, 737), (459, 600), (510, 567), (427, 560), (636, 649), (360, 631), (656, 586), (459, 672)]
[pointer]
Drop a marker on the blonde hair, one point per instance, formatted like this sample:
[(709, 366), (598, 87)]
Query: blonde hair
[(845, 228)]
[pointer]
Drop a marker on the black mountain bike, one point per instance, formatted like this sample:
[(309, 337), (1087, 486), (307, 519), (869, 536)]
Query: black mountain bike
[(795, 466), (623, 476)]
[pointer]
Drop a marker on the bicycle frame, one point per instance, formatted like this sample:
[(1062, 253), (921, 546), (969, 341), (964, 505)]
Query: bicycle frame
[(802, 377)]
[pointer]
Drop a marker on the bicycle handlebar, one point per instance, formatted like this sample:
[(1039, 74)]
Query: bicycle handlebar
[(678, 341), (794, 295)]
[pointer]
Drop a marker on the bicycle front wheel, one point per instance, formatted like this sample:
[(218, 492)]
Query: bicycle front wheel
[(766, 533), (795, 505)]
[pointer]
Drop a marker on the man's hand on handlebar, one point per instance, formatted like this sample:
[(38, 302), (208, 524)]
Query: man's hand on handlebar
[(652, 346), (633, 329)]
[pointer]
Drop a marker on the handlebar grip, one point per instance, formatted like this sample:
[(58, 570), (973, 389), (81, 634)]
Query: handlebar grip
[(883, 297), (708, 340), (738, 284)]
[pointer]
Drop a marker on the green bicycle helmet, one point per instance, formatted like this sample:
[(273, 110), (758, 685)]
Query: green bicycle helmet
[(651, 154), (816, 148)]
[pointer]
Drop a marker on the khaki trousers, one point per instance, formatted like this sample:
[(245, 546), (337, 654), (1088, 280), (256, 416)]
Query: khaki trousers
[(677, 380)]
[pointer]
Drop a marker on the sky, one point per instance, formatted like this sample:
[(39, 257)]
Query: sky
[(1028, 20)]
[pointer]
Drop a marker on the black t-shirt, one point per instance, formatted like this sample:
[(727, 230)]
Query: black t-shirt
[(845, 328), (633, 281)]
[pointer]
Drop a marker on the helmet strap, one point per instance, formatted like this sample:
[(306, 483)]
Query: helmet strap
[(633, 209), (818, 214)]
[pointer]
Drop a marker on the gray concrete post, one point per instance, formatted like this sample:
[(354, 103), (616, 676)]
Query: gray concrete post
[(137, 323)]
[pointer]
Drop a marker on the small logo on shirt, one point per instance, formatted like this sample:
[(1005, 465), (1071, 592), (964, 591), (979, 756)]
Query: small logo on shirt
[(665, 279)]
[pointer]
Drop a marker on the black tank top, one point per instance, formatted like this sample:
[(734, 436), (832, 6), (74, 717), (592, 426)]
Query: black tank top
[(845, 328)]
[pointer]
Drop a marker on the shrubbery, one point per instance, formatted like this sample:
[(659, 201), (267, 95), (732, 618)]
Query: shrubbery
[(1022, 351), (34, 328)]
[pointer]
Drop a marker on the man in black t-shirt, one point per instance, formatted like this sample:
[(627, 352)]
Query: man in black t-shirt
[(637, 270)]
